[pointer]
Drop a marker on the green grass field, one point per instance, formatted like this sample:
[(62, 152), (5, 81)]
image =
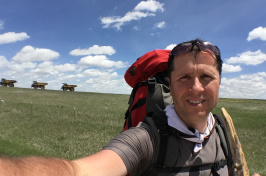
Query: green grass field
[(76, 124)]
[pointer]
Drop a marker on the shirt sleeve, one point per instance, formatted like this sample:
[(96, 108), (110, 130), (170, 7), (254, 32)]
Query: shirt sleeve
[(135, 147)]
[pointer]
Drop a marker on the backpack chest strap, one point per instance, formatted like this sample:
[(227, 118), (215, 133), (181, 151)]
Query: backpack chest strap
[(214, 167)]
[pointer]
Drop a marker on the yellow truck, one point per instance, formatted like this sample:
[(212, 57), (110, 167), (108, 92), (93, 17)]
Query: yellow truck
[(67, 87), (10, 83), (37, 85)]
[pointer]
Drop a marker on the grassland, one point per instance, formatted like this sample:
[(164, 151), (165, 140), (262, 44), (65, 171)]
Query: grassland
[(76, 124)]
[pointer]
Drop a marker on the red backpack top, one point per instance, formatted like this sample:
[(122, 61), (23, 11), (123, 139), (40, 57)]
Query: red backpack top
[(146, 66), (148, 77)]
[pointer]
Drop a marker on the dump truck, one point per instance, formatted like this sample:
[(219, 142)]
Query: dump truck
[(66, 87), (10, 83), (37, 85)]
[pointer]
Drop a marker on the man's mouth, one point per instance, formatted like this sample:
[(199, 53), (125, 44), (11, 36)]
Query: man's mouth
[(196, 102)]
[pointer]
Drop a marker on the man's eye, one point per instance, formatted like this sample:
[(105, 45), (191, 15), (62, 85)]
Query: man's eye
[(206, 76), (186, 77)]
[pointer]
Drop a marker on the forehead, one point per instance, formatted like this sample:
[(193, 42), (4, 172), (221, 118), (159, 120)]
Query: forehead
[(199, 58)]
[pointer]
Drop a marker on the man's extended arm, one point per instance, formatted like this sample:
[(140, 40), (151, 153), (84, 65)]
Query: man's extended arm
[(36, 166), (105, 162)]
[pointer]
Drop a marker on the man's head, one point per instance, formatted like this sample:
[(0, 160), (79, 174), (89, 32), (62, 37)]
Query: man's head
[(195, 46), (194, 78)]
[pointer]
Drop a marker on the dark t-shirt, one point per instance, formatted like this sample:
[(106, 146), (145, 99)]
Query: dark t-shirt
[(138, 147)]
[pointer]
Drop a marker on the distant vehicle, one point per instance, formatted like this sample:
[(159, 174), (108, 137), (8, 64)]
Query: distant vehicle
[(10, 83), (66, 87), (37, 85)]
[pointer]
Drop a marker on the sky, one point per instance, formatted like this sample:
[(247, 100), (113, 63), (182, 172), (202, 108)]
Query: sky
[(91, 43)]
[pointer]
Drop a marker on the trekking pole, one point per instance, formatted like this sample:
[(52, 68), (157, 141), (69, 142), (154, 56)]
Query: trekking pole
[(240, 164)]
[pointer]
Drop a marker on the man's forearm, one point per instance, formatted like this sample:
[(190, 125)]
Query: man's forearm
[(32, 166)]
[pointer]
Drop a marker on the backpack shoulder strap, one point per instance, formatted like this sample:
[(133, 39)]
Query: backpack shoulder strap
[(220, 127), (155, 104)]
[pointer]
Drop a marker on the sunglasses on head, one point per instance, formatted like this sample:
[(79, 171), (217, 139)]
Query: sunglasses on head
[(202, 46)]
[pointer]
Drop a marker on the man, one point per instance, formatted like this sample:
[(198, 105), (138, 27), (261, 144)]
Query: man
[(194, 77)]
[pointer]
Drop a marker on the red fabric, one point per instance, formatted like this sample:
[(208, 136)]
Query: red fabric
[(147, 65), (139, 113)]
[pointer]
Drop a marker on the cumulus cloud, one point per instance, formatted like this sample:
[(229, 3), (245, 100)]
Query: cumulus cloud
[(1, 24), (31, 54), (100, 61), (45, 68), (3, 62), (160, 25), (99, 73), (65, 67), (21, 67), (170, 47), (244, 86), (248, 58), (11, 37), (150, 5), (142, 10), (79, 75), (94, 50), (257, 33), (117, 22), (107, 84), (231, 68), (49, 68)]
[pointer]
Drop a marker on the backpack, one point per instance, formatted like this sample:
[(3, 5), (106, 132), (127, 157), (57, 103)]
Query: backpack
[(149, 97), (147, 76)]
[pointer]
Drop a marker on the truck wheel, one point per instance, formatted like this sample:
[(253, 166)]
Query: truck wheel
[(35, 87), (11, 85)]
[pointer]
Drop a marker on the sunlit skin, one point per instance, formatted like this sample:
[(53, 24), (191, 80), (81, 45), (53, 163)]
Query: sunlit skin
[(194, 86)]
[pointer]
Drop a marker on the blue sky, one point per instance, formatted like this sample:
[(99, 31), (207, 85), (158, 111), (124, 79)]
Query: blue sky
[(91, 43)]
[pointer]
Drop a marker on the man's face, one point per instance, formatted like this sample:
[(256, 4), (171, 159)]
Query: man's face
[(194, 86)]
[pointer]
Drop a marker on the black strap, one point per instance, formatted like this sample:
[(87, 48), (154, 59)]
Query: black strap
[(214, 167), (155, 108)]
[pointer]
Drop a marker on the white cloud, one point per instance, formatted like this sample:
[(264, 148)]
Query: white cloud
[(99, 73), (100, 61), (117, 22), (45, 68), (231, 68), (150, 5), (30, 54), (248, 58), (106, 85), (49, 68), (21, 67), (1, 24), (65, 67), (170, 47), (160, 25), (245, 86), (95, 50), (3, 62), (11, 37), (136, 14), (257, 33), (136, 28)]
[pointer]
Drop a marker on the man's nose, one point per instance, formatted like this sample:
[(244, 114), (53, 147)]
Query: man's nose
[(197, 85)]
